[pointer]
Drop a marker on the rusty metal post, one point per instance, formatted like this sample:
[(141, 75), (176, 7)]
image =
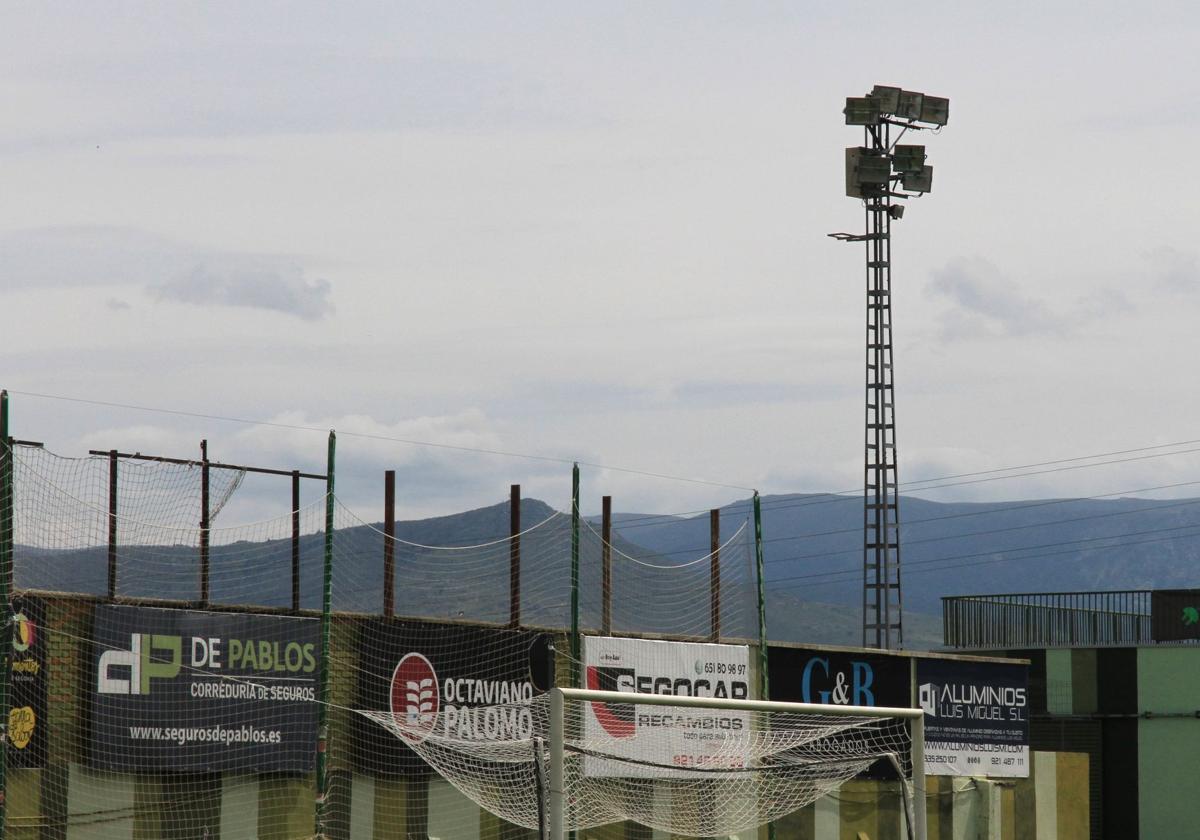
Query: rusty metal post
[(606, 567), (514, 555), (389, 543), (714, 574), (112, 524)]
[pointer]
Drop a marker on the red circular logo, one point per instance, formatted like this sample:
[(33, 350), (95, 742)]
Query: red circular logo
[(415, 697)]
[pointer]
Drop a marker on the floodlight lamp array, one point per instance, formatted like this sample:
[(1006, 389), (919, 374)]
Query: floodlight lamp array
[(908, 106), (870, 173), (877, 171)]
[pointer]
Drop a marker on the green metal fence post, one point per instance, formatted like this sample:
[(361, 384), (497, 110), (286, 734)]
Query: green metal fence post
[(764, 681), (326, 610), (6, 564)]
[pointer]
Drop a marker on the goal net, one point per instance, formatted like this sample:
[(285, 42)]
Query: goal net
[(698, 766)]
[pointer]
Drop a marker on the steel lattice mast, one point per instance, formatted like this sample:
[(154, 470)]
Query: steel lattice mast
[(882, 602), (878, 172)]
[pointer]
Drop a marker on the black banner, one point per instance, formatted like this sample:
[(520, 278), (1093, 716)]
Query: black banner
[(192, 691), (1175, 614), (976, 717), (437, 676), (842, 678), (27, 686)]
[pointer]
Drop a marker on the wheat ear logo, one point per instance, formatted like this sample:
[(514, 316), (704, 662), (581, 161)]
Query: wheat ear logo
[(414, 697)]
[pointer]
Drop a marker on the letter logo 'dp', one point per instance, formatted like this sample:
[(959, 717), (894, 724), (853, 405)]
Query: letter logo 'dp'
[(150, 656)]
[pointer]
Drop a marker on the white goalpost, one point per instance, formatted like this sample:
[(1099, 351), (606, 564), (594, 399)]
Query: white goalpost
[(768, 757)]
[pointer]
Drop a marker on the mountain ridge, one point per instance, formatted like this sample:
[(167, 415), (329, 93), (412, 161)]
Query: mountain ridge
[(812, 558)]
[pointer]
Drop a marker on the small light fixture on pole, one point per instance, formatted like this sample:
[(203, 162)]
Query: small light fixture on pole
[(877, 172)]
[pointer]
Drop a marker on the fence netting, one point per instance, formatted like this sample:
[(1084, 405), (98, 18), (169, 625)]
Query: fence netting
[(174, 680)]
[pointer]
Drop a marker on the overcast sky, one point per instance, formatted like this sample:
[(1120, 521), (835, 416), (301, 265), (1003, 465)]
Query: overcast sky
[(597, 232)]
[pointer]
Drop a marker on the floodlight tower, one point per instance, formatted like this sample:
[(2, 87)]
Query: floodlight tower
[(878, 172)]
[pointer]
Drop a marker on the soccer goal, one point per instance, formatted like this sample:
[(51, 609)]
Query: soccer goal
[(574, 759), (708, 766)]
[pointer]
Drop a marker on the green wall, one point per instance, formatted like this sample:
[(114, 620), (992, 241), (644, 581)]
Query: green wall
[(1169, 748)]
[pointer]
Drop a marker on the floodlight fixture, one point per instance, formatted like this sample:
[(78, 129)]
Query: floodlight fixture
[(907, 158), (867, 173), (861, 110), (873, 169), (896, 211), (853, 187), (909, 106), (888, 97), (919, 182), (935, 110)]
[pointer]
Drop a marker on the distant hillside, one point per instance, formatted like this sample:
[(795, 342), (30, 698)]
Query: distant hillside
[(472, 584), (961, 548), (812, 551)]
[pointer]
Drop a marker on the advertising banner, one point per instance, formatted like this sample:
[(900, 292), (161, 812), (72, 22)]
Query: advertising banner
[(803, 675), (976, 717), (842, 678), (653, 667), (27, 687), (440, 677), (203, 691)]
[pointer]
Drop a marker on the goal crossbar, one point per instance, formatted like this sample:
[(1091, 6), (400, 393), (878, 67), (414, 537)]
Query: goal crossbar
[(557, 753)]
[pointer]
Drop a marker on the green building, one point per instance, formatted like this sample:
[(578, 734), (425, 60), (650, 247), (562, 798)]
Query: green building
[(1115, 675)]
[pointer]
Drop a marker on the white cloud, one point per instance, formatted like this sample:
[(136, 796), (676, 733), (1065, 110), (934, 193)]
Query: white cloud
[(89, 255), (1104, 303), (1175, 270), (170, 270), (283, 289), (983, 302)]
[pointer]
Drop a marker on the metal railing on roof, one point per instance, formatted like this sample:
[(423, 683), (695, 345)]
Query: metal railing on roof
[(1047, 619)]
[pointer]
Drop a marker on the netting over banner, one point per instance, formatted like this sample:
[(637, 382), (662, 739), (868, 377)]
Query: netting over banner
[(152, 713), (167, 679), (63, 522), (671, 594)]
